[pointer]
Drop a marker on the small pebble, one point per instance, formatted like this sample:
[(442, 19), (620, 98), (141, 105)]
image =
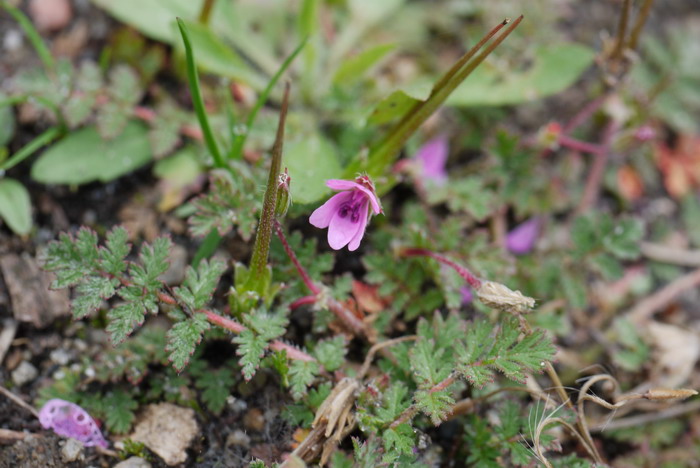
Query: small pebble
[(24, 373), (50, 15), (72, 451), (254, 420), (239, 438), (60, 356), (133, 462), (12, 40)]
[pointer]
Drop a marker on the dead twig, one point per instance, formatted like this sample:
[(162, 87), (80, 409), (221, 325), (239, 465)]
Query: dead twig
[(641, 419), (9, 329), (672, 255), (19, 401), (660, 299)]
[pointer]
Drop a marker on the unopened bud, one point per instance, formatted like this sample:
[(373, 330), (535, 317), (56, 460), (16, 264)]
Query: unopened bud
[(669, 393), (284, 197), (498, 296), (548, 136)]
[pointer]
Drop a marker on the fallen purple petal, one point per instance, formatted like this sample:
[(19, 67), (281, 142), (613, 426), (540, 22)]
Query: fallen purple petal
[(522, 239), (70, 420)]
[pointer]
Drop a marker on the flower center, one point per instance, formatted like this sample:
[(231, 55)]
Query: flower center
[(351, 208)]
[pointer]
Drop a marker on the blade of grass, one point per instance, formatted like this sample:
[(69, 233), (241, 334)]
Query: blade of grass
[(197, 101), (30, 148), (238, 142), (384, 152), (207, 248), (33, 36)]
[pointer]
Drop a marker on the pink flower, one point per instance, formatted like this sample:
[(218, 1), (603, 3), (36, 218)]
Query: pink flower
[(522, 239), (346, 213), (70, 420), (432, 157)]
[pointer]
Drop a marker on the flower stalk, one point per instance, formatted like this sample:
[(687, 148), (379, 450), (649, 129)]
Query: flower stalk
[(261, 250)]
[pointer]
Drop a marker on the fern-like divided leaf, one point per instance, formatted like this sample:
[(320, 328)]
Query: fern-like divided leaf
[(183, 338), (262, 328), (200, 284), (483, 354), (301, 375)]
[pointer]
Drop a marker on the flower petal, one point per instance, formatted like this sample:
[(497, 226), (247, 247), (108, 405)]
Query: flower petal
[(342, 230), (432, 157), (322, 216), (522, 239), (340, 184), (355, 241)]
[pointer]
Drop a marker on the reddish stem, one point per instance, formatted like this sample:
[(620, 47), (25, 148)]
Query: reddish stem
[(237, 328), (302, 301), (595, 176), (584, 114), (293, 257), (578, 145), (473, 281), (346, 316)]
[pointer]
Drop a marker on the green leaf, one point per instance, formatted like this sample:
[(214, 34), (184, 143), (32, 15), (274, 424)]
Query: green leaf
[(119, 409), (83, 156), (609, 266), (331, 353), (400, 438), (251, 348), (554, 68), (15, 206), (124, 85), (623, 239), (428, 365), (690, 211), (481, 353), (183, 338), (394, 402), (113, 254), (154, 258), (216, 388), (200, 284), (310, 160), (7, 122), (90, 294), (398, 103), (154, 19), (301, 375), (436, 405), (355, 67), (123, 319)]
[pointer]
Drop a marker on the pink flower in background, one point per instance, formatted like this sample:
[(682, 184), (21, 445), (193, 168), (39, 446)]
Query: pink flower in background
[(467, 295), (522, 239), (346, 213), (432, 157), (70, 420)]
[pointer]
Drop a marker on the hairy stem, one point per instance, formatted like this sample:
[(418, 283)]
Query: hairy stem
[(237, 328), (597, 171), (356, 325), (639, 24), (293, 257), (468, 276), (261, 250), (205, 12)]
